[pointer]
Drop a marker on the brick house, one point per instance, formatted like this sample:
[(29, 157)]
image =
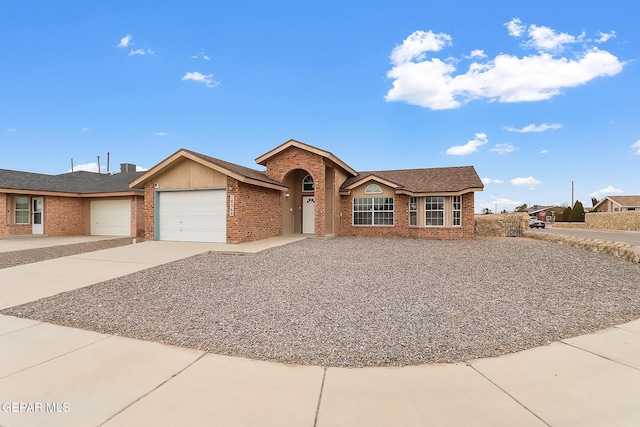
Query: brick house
[(193, 197), (76, 203), (618, 204)]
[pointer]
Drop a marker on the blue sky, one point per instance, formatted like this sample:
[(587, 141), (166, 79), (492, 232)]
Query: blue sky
[(534, 94)]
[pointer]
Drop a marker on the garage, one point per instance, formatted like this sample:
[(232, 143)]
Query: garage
[(192, 216), (110, 218)]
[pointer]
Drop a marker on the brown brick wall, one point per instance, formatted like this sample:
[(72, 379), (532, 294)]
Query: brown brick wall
[(137, 217), (257, 212), (295, 158), (63, 216), (4, 214), (149, 221), (401, 222)]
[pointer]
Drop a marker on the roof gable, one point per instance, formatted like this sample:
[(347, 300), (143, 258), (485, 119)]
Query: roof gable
[(241, 173), (417, 181), (262, 160), (626, 201)]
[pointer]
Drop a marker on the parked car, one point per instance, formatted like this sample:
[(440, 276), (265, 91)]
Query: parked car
[(536, 223)]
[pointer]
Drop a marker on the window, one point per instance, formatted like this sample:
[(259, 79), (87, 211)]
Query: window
[(22, 210), (307, 183), (373, 189), (457, 210), (434, 211), (373, 211), (413, 211)]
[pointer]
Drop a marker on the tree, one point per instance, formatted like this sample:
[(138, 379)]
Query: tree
[(594, 201), (577, 213), (486, 211), (566, 215), (522, 208)]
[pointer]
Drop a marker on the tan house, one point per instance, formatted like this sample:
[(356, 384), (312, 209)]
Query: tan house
[(304, 189), (76, 203), (618, 204)]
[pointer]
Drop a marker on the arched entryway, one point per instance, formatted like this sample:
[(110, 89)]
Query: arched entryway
[(299, 203)]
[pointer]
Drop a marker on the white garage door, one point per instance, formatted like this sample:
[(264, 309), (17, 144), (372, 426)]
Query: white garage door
[(110, 218), (193, 216)]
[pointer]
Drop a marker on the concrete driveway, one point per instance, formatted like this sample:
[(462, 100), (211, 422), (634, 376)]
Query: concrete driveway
[(630, 237), (58, 376)]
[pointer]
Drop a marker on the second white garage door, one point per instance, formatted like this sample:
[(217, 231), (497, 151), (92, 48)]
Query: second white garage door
[(193, 216), (110, 217)]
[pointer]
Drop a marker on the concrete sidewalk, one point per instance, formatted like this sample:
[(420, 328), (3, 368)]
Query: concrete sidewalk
[(57, 376)]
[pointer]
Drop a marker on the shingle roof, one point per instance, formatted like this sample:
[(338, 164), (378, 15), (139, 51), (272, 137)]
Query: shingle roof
[(626, 201), (72, 182), (432, 180)]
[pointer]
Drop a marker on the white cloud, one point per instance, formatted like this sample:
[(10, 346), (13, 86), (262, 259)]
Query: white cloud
[(547, 40), (161, 134), (515, 27), (84, 130), (141, 52), (492, 181), (88, 167), (604, 37), (201, 78), (496, 204), (432, 83), (469, 147), (503, 148), (124, 42), (202, 55), (413, 48), (534, 128), (529, 181), (606, 192), (636, 146), (141, 169), (544, 151), (477, 53)]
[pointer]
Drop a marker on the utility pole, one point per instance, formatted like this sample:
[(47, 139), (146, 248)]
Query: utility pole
[(572, 202)]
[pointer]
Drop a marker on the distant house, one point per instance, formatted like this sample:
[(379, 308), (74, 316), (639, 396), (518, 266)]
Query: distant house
[(75, 203), (618, 204), (546, 213)]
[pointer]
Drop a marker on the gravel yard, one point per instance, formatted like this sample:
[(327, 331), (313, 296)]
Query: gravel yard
[(27, 256), (362, 302)]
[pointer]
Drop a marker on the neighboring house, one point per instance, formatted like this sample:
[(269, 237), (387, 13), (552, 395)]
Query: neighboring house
[(618, 204), (304, 189), (75, 203), (546, 213)]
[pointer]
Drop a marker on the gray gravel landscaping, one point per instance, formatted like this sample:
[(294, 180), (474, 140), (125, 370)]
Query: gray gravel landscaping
[(362, 302), (27, 256)]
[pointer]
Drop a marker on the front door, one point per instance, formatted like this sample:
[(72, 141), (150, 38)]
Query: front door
[(308, 215), (37, 210)]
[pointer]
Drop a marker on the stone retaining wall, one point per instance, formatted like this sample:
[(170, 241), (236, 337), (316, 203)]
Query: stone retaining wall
[(618, 249), (502, 225), (613, 220)]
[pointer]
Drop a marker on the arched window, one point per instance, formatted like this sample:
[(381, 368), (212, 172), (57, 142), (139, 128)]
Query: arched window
[(307, 183), (373, 189)]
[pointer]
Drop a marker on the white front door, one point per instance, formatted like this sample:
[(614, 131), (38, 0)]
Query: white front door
[(308, 215), (37, 215)]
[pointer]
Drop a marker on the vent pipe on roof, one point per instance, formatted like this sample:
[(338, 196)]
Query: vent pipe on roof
[(72, 164), (98, 164), (108, 159)]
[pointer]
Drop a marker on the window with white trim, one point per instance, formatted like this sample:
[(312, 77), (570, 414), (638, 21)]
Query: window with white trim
[(457, 210), (434, 211), (373, 189), (307, 183), (21, 210), (413, 211), (373, 211)]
